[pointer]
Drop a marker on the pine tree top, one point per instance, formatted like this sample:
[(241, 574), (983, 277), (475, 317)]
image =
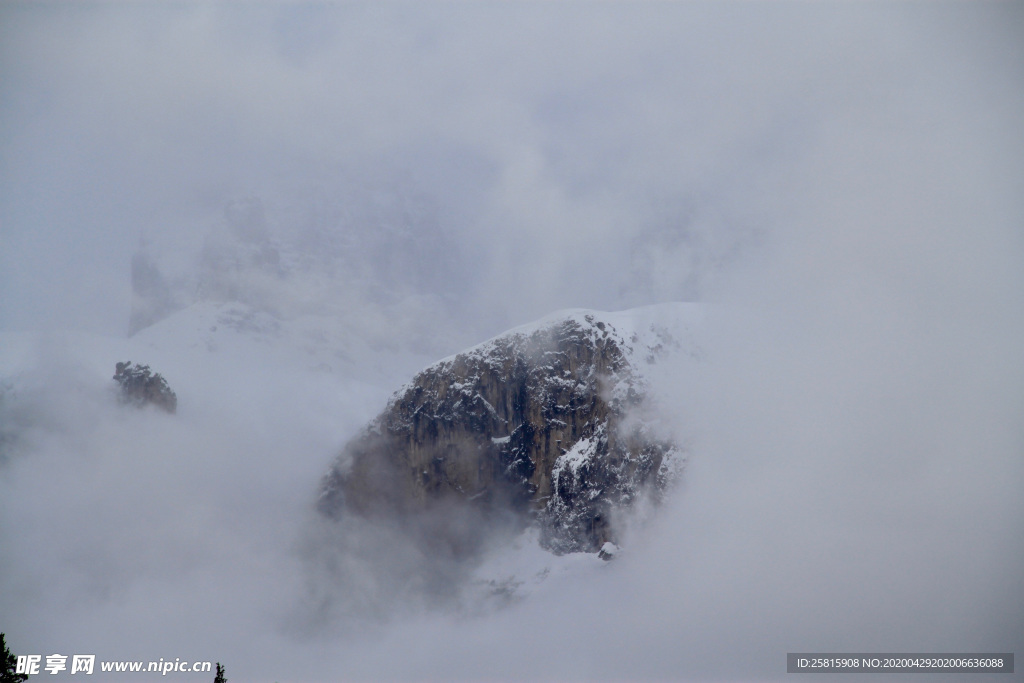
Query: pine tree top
[(140, 387)]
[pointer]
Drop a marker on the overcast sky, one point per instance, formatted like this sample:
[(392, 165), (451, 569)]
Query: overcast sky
[(600, 154), (845, 182)]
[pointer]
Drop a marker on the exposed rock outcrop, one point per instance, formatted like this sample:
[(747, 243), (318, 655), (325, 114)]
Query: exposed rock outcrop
[(544, 421), (140, 387)]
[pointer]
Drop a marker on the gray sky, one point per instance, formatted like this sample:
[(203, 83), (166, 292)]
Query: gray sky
[(844, 181), (603, 154)]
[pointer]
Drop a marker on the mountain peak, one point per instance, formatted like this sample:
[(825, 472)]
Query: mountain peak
[(540, 423)]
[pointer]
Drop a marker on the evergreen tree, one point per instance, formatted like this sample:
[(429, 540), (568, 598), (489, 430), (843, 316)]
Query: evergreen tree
[(139, 386), (220, 674), (9, 664)]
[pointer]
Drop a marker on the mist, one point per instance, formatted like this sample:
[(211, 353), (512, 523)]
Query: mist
[(842, 187)]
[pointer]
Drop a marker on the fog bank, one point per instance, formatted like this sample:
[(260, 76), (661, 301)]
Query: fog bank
[(841, 185)]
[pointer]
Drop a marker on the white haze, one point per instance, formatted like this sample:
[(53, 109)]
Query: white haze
[(843, 184)]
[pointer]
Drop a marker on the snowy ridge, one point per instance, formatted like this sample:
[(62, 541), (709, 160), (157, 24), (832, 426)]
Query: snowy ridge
[(642, 334)]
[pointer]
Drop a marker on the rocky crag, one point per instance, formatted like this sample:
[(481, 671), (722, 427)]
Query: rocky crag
[(140, 387), (544, 423)]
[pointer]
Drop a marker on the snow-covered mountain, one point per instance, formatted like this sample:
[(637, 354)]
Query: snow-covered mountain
[(558, 406), (313, 252), (550, 422)]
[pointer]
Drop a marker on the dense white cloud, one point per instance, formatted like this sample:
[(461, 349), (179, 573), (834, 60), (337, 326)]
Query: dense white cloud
[(843, 182)]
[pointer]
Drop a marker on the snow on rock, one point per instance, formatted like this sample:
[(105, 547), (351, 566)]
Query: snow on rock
[(524, 569), (549, 420)]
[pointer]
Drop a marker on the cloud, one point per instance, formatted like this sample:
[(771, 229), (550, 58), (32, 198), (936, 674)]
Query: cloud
[(841, 183)]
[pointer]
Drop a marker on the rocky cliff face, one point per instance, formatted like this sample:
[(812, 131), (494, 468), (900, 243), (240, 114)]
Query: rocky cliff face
[(541, 423)]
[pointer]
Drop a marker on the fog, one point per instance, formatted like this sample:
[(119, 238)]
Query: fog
[(842, 185)]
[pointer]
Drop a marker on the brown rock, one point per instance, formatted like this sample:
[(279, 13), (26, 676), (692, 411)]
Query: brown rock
[(529, 425)]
